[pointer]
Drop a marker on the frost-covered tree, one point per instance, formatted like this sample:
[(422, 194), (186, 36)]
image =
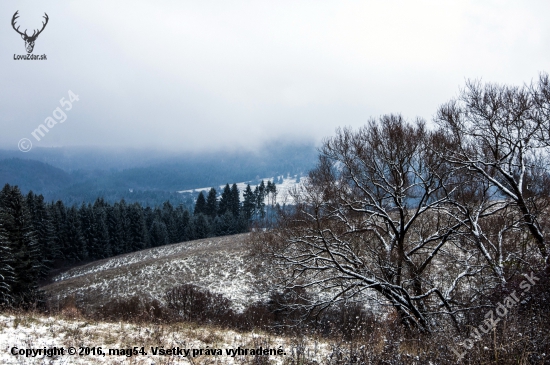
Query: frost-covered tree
[(45, 234), (24, 249), (501, 134), (6, 263), (365, 225)]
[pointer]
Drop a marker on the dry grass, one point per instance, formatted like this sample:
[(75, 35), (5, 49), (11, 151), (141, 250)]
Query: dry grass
[(26, 330), (218, 264)]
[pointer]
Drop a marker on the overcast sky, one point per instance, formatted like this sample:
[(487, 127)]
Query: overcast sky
[(209, 74)]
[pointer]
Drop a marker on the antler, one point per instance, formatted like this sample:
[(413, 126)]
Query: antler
[(34, 34), (15, 16), (43, 25)]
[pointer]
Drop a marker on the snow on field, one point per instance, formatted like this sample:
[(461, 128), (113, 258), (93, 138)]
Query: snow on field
[(34, 331), (218, 264), (283, 188)]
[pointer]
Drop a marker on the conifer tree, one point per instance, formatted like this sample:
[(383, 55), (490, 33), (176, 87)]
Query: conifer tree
[(168, 215), (200, 205), (260, 199), (201, 226), (43, 226), (7, 275), (212, 204), (87, 223), (158, 233), (224, 225), (125, 225), (271, 192), (58, 214), (74, 246), (184, 231), (23, 244), (249, 203), (235, 201), (225, 200), (149, 215), (101, 229), (137, 231), (115, 229)]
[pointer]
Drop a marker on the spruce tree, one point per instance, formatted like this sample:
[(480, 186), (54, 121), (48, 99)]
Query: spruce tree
[(212, 204), (87, 223), (169, 219), (260, 199), (249, 203), (200, 205), (43, 226), (225, 224), (58, 213), (148, 213), (137, 230), (184, 231), (125, 225), (101, 229), (235, 202), (115, 229), (158, 234), (23, 244), (225, 200), (201, 226), (74, 246), (7, 275)]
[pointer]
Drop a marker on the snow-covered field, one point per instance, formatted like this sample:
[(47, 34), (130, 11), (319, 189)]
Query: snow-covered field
[(34, 331), (218, 264)]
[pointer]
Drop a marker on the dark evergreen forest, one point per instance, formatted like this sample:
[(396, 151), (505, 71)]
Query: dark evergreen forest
[(37, 237)]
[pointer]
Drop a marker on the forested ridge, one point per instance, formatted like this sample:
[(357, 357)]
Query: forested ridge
[(76, 175), (37, 237)]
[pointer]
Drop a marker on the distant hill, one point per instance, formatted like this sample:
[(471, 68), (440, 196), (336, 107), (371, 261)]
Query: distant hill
[(149, 177), (33, 175)]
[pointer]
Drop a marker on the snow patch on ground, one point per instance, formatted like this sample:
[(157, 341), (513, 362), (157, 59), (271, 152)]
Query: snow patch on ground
[(26, 331), (218, 264)]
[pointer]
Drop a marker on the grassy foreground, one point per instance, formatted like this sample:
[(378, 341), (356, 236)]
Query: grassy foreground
[(36, 331)]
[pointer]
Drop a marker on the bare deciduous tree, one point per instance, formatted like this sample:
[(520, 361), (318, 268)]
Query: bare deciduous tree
[(428, 221), (367, 219), (501, 134)]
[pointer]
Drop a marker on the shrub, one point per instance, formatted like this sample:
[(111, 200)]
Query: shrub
[(191, 303)]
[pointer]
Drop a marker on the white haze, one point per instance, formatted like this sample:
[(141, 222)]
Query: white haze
[(195, 75)]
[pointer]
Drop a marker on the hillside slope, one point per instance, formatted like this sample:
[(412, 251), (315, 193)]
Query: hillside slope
[(218, 264), (33, 175)]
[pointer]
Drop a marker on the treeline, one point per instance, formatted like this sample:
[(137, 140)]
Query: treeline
[(36, 236), (253, 205)]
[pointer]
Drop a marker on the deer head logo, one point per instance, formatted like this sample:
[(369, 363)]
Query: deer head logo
[(29, 40)]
